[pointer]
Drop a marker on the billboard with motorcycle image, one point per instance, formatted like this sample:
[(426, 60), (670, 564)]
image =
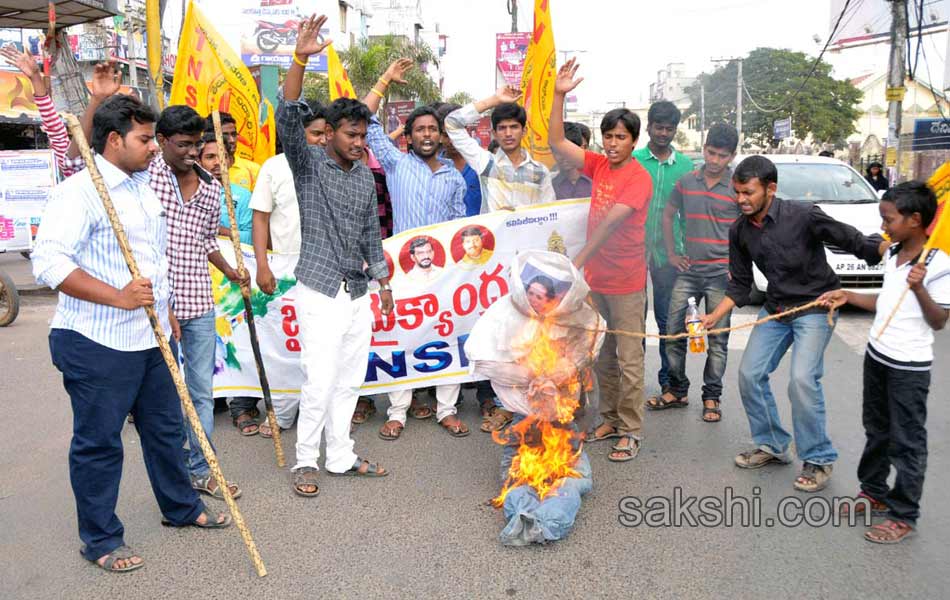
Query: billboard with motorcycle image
[(265, 31)]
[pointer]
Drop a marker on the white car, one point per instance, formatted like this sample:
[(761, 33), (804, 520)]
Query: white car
[(842, 193)]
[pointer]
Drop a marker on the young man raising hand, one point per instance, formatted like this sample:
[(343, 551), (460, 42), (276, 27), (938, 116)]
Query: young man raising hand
[(613, 260)]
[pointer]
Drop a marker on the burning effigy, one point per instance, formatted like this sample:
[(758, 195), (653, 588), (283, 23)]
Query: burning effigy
[(536, 346)]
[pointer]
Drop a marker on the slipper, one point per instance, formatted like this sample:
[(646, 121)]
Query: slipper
[(354, 471), (306, 476), (203, 485), (592, 437), (246, 424), (421, 411), (120, 553), (265, 431), (391, 432), (457, 430), (210, 523), (661, 403), (498, 420), (365, 408)]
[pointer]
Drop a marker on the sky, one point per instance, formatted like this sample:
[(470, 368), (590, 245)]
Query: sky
[(621, 44)]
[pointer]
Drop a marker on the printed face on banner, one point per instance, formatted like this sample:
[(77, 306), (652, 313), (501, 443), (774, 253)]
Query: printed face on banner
[(422, 259), (473, 246)]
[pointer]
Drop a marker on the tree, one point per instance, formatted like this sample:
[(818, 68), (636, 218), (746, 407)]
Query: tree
[(460, 98), (826, 108), (366, 61)]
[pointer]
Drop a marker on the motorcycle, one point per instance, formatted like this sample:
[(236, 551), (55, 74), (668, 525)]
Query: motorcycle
[(269, 36)]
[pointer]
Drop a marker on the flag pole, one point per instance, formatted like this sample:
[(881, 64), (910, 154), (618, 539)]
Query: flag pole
[(79, 137), (246, 293)]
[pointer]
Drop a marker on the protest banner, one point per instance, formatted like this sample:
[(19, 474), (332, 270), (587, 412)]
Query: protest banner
[(510, 50), (26, 179), (423, 342)]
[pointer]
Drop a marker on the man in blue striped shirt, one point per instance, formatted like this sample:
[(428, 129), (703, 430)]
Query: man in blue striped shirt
[(424, 187), (102, 341)]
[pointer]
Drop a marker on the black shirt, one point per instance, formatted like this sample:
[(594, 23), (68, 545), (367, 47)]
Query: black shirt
[(789, 249)]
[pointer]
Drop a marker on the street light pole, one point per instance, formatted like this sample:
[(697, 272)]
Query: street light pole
[(895, 82)]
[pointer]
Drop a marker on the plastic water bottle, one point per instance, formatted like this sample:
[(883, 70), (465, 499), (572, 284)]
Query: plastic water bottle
[(694, 326)]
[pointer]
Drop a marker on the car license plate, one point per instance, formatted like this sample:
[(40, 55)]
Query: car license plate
[(857, 267)]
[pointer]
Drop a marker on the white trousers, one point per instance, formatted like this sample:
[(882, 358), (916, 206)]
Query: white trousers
[(445, 395), (334, 345)]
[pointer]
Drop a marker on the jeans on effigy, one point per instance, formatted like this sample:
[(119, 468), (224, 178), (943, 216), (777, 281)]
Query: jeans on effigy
[(534, 521)]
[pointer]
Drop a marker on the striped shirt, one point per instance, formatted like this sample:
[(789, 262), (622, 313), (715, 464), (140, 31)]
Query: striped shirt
[(664, 174), (192, 233), (708, 212), (419, 196), (503, 184), (75, 233), (53, 126)]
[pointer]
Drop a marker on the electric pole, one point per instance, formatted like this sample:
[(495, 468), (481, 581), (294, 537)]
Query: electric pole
[(739, 85), (895, 83), (702, 111), (513, 11)]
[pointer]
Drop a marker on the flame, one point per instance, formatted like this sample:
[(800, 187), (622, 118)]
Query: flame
[(546, 453)]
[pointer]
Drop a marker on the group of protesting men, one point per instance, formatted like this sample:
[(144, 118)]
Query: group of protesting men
[(340, 185)]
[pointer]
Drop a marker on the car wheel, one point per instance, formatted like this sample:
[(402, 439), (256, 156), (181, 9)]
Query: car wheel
[(9, 300)]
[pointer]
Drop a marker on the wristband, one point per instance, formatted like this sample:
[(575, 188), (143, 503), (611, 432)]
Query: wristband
[(384, 81), (385, 287), (297, 60), (378, 93)]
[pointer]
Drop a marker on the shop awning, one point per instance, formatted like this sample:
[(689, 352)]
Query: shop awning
[(33, 14)]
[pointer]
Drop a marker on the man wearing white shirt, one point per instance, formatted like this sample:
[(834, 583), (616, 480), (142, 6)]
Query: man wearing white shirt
[(102, 341), (510, 177)]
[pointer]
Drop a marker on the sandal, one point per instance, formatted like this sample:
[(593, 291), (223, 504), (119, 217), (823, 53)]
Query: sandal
[(629, 452), (486, 407), (816, 477), (265, 430), (391, 430), (709, 412), (456, 429), (591, 436), (306, 476), (365, 408), (121, 553), (498, 420), (889, 532), (662, 402), (421, 411), (211, 521), (246, 424), (862, 504), (203, 485), (372, 470), (754, 459)]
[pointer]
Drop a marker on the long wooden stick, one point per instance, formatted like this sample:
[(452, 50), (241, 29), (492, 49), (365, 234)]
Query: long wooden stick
[(887, 322), (163, 345), (246, 293)]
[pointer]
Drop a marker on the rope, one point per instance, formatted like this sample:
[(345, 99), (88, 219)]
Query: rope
[(721, 330)]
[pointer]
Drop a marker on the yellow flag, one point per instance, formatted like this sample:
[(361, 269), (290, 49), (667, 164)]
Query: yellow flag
[(209, 75), (939, 182), (537, 84), (267, 144), (153, 31), (340, 84)]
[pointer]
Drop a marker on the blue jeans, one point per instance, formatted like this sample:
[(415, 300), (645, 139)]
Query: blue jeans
[(713, 289), (532, 520), (105, 385), (808, 336), (197, 347), (663, 279)]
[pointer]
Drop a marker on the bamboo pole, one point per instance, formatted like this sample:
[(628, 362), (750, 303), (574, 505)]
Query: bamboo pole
[(246, 293), (163, 345)]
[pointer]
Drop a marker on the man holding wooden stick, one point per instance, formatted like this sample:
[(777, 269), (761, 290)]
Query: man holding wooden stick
[(190, 197), (339, 229), (103, 343)]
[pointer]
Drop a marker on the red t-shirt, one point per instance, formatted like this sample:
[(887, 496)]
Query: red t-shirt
[(619, 267)]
